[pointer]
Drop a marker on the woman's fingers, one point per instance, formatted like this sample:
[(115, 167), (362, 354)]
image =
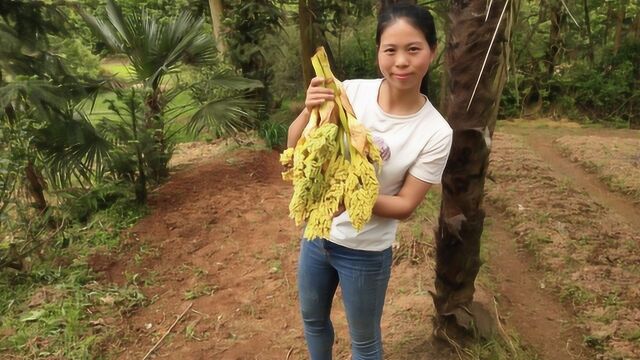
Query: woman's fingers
[(317, 93)]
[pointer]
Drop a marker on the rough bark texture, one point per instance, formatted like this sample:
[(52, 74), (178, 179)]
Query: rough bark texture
[(461, 215)]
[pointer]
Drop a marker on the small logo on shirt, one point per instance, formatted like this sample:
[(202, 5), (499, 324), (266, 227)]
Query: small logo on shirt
[(385, 152)]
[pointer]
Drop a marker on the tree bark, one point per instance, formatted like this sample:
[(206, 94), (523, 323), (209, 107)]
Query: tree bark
[(307, 46), (36, 186), (587, 22), (461, 219), (216, 22), (310, 38), (617, 40), (555, 14)]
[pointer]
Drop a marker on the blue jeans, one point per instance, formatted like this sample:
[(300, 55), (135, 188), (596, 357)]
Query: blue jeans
[(363, 277)]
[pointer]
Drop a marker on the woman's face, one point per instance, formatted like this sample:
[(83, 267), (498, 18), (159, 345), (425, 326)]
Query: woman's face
[(404, 55)]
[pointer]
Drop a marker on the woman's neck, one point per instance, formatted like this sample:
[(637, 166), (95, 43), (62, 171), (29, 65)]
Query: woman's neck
[(399, 102)]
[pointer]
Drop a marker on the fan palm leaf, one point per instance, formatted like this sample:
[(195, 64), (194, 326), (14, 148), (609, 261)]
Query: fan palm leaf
[(154, 48), (72, 148), (225, 116)]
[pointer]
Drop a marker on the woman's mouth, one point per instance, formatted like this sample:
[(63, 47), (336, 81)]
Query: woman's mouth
[(402, 76)]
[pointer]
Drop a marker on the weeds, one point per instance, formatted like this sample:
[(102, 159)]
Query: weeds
[(58, 309)]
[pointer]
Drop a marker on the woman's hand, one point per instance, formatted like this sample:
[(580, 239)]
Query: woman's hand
[(317, 94)]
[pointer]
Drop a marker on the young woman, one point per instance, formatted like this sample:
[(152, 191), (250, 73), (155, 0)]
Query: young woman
[(415, 141)]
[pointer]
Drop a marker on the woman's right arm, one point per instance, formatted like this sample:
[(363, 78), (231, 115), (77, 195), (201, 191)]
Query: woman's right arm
[(297, 127), (316, 95)]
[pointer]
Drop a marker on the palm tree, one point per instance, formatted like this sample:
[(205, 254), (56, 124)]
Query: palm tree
[(155, 50), (38, 96), (474, 87)]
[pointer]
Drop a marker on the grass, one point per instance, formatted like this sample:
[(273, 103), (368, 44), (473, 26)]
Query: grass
[(58, 309)]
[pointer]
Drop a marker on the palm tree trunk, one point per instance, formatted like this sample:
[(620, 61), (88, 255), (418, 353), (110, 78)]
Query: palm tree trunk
[(460, 224)]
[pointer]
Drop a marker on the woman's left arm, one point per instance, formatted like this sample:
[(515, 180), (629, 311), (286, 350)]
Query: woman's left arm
[(402, 205)]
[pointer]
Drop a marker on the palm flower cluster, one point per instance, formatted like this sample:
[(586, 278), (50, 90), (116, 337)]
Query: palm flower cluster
[(332, 163)]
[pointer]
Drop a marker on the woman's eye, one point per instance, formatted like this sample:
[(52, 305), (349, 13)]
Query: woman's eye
[(389, 51), (414, 49)]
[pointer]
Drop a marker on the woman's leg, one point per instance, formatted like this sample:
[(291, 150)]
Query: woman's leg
[(317, 283), (364, 276)]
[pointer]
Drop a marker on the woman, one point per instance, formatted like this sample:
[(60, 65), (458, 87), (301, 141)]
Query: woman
[(414, 140)]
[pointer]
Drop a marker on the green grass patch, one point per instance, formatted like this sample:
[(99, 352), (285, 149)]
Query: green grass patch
[(57, 309)]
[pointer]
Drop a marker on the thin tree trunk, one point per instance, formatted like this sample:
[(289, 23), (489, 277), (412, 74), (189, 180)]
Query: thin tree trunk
[(622, 8), (216, 22), (461, 220), (310, 38), (607, 21), (636, 26), (140, 184), (587, 23), (305, 22), (555, 14), (36, 186)]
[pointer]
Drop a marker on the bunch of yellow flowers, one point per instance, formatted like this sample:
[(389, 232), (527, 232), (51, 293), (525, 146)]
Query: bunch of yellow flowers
[(332, 163)]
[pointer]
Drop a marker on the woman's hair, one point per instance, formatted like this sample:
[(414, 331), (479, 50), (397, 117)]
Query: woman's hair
[(418, 17)]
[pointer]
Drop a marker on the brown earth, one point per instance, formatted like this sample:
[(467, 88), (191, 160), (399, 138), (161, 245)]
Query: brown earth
[(583, 237), (219, 239)]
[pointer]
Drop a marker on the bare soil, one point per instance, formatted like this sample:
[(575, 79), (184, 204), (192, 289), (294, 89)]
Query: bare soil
[(587, 252), (219, 237), (615, 161), (562, 263)]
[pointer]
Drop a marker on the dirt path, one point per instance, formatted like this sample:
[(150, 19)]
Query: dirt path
[(577, 240), (219, 238), (542, 143), (539, 319)]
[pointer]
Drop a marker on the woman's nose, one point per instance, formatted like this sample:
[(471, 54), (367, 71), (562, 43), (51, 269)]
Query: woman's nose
[(401, 60)]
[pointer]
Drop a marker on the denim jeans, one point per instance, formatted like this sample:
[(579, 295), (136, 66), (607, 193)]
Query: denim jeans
[(363, 277)]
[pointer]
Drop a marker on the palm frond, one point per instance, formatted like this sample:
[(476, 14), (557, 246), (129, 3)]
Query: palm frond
[(225, 116), (228, 80), (72, 148), (39, 93), (154, 48)]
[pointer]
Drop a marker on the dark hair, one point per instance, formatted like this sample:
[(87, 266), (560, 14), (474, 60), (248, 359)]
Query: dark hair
[(419, 17)]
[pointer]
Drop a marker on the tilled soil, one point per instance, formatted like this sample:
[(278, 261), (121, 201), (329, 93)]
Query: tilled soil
[(588, 252)]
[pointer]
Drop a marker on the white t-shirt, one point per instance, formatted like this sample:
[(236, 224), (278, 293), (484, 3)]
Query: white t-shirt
[(419, 145)]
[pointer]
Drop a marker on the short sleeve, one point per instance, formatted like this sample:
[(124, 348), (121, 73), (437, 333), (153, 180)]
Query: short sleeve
[(430, 164)]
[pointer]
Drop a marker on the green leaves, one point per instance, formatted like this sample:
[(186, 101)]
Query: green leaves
[(224, 116), (154, 48)]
